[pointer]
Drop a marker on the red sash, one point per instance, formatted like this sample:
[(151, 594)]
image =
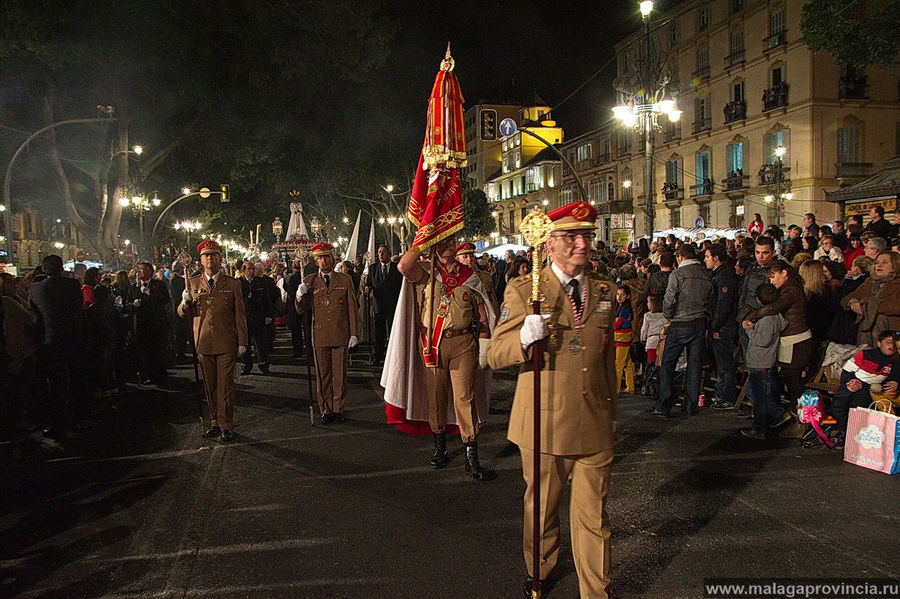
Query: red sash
[(449, 282)]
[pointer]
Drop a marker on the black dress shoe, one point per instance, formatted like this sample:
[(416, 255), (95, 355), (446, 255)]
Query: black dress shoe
[(212, 432), (327, 419), (264, 368), (527, 590), (227, 435), (655, 412)]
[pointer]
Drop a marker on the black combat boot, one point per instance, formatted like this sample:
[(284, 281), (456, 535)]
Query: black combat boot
[(473, 466), (440, 458)]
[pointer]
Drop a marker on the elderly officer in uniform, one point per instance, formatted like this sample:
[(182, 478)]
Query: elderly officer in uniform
[(458, 319), (335, 328), (578, 393), (220, 334), (465, 254)]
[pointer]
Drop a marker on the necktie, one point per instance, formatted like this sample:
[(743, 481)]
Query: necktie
[(575, 293), (327, 280), (384, 270), (212, 283)]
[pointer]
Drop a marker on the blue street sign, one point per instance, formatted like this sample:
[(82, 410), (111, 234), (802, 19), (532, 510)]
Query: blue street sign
[(699, 222), (508, 127)]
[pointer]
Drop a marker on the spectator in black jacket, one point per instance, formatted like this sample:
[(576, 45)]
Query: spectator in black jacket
[(151, 299), (291, 284), (262, 299), (656, 283), (100, 336), (878, 224), (383, 282), (56, 301), (723, 326), (180, 325)]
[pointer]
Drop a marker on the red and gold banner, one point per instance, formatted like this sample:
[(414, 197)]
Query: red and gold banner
[(435, 205)]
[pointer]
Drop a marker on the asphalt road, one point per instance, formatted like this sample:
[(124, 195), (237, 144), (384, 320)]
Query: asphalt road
[(138, 505)]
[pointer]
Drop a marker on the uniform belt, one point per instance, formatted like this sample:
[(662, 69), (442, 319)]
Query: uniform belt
[(456, 333)]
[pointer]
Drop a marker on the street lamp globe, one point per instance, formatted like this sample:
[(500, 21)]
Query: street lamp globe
[(389, 188), (185, 191), (665, 106), (626, 183), (674, 115), (789, 196), (136, 200), (124, 202), (779, 151), (769, 199), (392, 219), (646, 8), (138, 150)]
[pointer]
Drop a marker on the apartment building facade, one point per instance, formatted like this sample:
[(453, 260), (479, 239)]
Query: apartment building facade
[(747, 86)]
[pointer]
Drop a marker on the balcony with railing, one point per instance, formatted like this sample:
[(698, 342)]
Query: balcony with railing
[(735, 111), (603, 158), (702, 189), (734, 59), (775, 97), (735, 181), (851, 170), (585, 164), (702, 74), (672, 192), (701, 124), (779, 38), (853, 88)]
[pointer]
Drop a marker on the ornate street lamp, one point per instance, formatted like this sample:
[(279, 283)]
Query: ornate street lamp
[(643, 108), (139, 205), (778, 185)]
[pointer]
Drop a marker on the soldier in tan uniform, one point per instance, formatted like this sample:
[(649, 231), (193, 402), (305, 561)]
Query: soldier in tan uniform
[(578, 396), (465, 254), (458, 318), (331, 297), (220, 334)]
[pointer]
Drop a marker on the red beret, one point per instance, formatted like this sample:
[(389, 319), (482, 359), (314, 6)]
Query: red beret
[(209, 247), (465, 248), (577, 215), (322, 249)]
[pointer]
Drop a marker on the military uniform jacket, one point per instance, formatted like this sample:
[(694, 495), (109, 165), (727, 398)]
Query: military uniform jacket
[(334, 309), (220, 324), (462, 311), (578, 391)]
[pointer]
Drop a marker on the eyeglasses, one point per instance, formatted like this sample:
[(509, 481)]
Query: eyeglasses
[(571, 237)]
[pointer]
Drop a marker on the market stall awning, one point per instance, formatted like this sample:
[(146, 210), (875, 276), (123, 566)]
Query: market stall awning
[(883, 184)]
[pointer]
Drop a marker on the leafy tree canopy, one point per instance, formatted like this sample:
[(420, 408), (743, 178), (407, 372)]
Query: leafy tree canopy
[(855, 38), (477, 214)]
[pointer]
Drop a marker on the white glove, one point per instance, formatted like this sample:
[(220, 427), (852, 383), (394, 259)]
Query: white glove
[(354, 341), (482, 352), (242, 349), (301, 290), (268, 321), (186, 295), (137, 303), (533, 329)]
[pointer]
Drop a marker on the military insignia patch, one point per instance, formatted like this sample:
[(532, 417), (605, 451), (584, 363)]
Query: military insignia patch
[(603, 306), (504, 314), (465, 297), (604, 288)]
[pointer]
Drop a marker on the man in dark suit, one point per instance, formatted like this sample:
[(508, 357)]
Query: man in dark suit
[(59, 325), (180, 325), (383, 283), (151, 324), (291, 284), (261, 299)]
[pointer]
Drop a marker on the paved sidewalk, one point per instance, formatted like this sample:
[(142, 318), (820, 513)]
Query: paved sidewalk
[(140, 506)]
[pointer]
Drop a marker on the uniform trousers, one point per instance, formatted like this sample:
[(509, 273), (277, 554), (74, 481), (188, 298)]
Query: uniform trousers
[(218, 378), (588, 518), (455, 373), (331, 378)]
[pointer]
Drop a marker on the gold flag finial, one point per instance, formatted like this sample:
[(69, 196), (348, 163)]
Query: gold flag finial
[(448, 63)]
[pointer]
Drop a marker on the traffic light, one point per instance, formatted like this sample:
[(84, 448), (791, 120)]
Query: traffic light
[(488, 125), (225, 196)]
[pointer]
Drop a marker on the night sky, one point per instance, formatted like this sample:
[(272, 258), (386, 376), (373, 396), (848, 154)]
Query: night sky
[(508, 51)]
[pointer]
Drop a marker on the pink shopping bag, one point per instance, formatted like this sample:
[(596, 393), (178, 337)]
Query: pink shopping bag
[(873, 441)]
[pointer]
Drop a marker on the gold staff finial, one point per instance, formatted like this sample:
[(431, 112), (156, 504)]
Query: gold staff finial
[(536, 228)]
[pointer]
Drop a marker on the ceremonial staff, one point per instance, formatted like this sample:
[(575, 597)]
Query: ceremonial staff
[(536, 228)]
